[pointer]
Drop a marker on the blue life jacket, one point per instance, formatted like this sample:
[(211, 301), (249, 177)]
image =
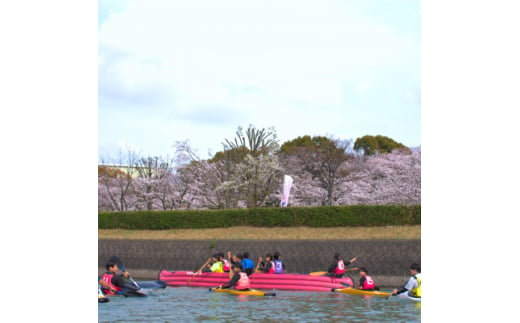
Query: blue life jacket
[(247, 264)]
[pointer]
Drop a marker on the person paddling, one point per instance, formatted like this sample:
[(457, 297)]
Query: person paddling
[(235, 259), (267, 266), (413, 284), (215, 266), (366, 282), (279, 266), (247, 264), (239, 281), (111, 282), (337, 269)]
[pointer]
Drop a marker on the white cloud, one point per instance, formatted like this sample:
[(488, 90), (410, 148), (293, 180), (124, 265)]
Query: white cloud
[(245, 62)]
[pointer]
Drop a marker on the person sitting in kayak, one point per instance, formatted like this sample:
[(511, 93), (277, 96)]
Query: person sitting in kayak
[(112, 282), (413, 284), (215, 266), (247, 264), (239, 281), (366, 282), (267, 266), (279, 266), (337, 269)]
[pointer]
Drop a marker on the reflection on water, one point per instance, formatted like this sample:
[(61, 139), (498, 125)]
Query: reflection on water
[(198, 304)]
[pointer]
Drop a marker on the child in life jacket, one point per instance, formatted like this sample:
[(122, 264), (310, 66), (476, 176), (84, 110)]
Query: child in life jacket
[(239, 281), (366, 282), (267, 266), (247, 264), (112, 282), (226, 266), (337, 269), (215, 266), (279, 266)]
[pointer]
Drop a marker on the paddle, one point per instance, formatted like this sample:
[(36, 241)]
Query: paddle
[(323, 273), (230, 265), (198, 271), (122, 267), (265, 294), (257, 265)]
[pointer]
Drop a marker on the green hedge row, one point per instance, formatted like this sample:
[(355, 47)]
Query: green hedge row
[(323, 216)]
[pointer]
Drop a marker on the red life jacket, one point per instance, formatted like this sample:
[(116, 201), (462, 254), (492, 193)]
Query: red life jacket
[(340, 268), (243, 282), (226, 265), (108, 279), (368, 283), (271, 270)]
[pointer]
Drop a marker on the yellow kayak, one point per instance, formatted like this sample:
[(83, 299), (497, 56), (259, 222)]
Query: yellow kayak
[(353, 291), (252, 292)]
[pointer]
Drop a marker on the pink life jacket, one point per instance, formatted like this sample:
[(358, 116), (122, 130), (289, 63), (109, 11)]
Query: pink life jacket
[(108, 279), (226, 266), (243, 282), (271, 270), (368, 283), (340, 269)]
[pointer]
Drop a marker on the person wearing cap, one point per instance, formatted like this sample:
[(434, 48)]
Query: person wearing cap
[(413, 284), (366, 282)]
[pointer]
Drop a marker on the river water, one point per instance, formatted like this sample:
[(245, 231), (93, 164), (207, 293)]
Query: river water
[(183, 304)]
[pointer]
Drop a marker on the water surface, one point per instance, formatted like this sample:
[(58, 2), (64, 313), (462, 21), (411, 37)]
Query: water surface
[(182, 304)]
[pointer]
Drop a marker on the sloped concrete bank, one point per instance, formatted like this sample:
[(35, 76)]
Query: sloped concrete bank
[(386, 260)]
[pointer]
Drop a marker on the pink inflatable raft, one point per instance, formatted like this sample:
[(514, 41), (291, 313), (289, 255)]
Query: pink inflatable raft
[(257, 281)]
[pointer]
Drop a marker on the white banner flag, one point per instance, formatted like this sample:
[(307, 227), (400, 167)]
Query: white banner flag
[(287, 182)]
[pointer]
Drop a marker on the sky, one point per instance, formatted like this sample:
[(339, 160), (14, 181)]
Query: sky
[(52, 124), (196, 70)]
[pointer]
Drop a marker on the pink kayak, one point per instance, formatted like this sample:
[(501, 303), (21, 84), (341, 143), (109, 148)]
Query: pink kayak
[(257, 281)]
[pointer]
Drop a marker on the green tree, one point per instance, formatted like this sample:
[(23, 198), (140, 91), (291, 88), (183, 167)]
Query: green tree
[(371, 145)]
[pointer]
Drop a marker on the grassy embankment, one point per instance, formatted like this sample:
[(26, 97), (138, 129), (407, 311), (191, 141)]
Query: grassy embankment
[(262, 233)]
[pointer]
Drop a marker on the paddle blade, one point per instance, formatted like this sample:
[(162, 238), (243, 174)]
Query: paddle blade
[(346, 285), (270, 294), (318, 273), (103, 300)]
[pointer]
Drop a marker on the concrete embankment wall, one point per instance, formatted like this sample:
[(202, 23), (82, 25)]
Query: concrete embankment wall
[(386, 260)]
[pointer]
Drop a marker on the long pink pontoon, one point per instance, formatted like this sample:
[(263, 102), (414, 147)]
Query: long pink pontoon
[(257, 281)]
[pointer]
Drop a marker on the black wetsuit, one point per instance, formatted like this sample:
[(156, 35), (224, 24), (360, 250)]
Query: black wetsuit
[(233, 281)]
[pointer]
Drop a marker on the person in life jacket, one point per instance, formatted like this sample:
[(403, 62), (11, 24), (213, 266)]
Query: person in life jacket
[(226, 266), (279, 266), (215, 266), (111, 282), (247, 264), (413, 284), (239, 281), (267, 266), (366, 282), (337, 268)]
